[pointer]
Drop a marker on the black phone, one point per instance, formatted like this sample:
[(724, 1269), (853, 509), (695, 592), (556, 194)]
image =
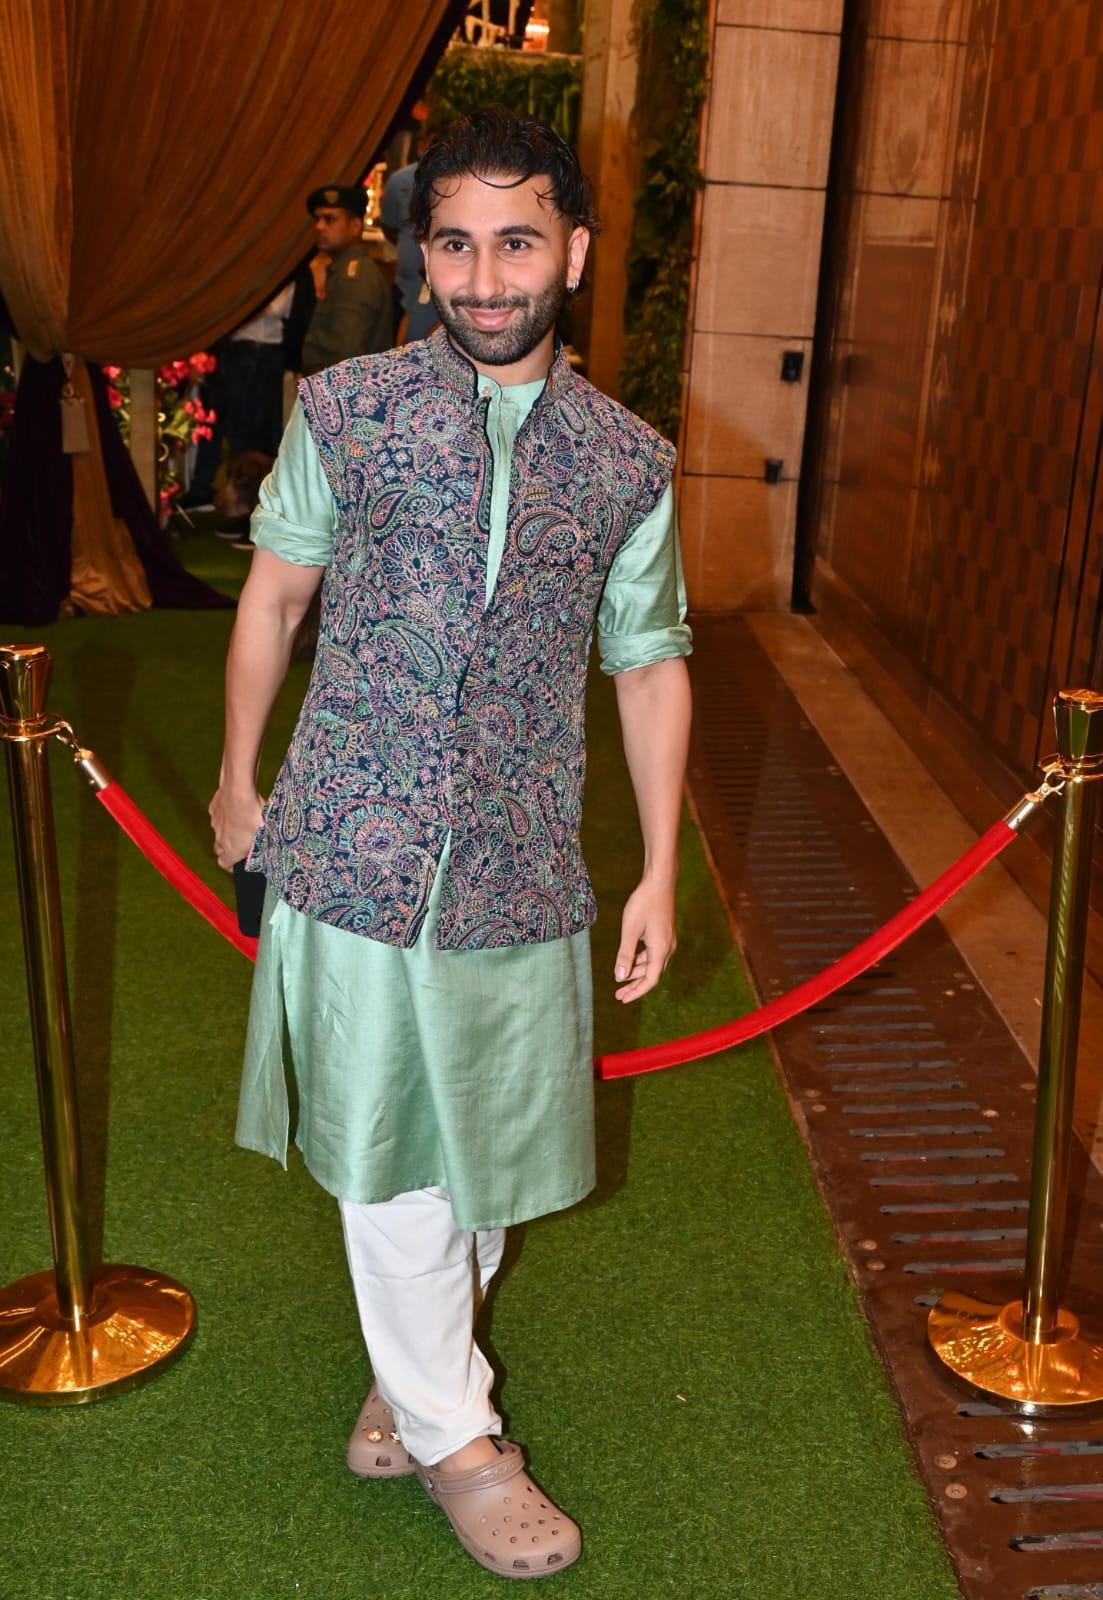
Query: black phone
[(249, 890)]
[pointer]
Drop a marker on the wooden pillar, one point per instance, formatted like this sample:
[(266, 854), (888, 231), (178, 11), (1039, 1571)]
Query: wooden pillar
[(143, 429), (610, 161)]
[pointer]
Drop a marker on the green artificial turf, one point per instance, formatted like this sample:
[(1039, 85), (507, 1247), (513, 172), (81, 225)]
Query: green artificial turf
[(683, 1354)]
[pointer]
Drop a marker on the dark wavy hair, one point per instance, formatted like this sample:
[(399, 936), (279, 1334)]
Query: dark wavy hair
[(497, 143)]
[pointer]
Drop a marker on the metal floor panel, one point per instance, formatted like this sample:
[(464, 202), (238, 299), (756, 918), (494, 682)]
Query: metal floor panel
[(917, 1106)]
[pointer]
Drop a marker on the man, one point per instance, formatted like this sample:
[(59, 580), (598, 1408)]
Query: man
[(248, 415), (353, 317), (475, 507), (394, 218), (251, 371), (245, 392)]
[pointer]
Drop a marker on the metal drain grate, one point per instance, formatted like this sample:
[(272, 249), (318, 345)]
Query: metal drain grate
[(1067, 1591), (911, 1096)]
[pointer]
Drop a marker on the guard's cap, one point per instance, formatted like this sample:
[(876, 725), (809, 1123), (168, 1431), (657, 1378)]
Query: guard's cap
[(348, 196)]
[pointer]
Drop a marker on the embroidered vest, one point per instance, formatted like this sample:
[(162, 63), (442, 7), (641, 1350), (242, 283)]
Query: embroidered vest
[(426, 711)]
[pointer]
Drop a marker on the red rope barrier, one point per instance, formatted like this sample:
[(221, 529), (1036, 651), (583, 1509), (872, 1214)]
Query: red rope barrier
[(157, 849), (865, 955), (649, 1058)]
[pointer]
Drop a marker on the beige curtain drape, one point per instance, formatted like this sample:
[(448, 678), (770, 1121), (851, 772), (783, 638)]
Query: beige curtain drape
[(155, 155), (105, 574)]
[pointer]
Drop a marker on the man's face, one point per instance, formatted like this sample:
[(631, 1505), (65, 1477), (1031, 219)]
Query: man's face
[(498, 260), (334, 228)]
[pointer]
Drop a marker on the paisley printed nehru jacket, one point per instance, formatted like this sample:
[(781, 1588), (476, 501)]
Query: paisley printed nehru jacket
[(428, 713)]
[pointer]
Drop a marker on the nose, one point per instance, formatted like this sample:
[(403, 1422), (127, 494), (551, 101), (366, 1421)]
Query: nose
[(486, 278)]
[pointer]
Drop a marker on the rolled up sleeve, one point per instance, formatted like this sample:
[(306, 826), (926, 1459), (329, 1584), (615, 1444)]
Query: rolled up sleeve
[(296, 515), (642, 615)]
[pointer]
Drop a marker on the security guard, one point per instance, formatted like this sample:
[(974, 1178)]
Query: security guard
[(354, 318)]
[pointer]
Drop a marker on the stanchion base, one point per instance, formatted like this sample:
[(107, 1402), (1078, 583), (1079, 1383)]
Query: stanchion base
[(981, 1341), (140, 1322)]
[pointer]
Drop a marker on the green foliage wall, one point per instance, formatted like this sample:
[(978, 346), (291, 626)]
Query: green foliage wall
[(672, 39), (545, 86)]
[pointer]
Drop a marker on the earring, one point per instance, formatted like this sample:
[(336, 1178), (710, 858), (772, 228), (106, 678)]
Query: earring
[(572, 288)]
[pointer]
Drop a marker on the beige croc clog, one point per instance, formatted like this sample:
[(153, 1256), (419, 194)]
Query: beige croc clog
[(375, 1450), (503, 1519)]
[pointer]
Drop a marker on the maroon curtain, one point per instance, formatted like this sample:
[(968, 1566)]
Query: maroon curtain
[(153, 167)]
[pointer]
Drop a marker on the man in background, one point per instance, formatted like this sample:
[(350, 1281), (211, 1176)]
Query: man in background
[(354, 316), (245, 391), (251, 370), (409, 279)]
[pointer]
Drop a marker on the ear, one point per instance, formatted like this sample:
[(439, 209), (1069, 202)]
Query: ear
[(425, 258), (577, 246)]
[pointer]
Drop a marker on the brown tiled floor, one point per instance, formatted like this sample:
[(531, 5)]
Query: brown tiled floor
[(914, 1086)]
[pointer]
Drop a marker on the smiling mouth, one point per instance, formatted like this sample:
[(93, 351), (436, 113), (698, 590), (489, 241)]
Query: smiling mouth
[(489, 320)]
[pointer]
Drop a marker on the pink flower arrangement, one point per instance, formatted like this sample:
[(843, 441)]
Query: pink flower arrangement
[(202, 419), (193, 370), (173, 374), (115, 397), (183, 418)]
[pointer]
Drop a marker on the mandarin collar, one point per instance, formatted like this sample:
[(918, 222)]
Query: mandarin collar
[(462, 375)]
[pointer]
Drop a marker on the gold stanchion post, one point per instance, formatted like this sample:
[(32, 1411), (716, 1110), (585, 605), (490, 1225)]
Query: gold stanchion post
[(81, 1331), (1031, 1352)]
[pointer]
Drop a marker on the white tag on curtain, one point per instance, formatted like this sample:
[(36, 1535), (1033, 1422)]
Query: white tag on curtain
[(74, 418)]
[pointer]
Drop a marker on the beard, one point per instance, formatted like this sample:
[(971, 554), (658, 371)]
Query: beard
[(502, 347)]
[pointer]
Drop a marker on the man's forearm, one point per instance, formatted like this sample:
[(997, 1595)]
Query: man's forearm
[(272, 604), (256, 665), (655, 711)]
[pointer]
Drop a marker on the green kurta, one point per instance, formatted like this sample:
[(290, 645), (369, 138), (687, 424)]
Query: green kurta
[(471, 1069)]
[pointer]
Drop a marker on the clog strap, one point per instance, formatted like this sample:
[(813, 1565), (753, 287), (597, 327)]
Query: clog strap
[(511, 1462)]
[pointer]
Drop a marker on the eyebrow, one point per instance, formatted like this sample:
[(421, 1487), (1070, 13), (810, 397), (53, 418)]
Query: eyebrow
[(508, 231)]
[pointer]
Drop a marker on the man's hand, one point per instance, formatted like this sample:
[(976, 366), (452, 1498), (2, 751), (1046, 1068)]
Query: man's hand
[(235, 819), (271, 606), (654, 713), (648, 919)]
